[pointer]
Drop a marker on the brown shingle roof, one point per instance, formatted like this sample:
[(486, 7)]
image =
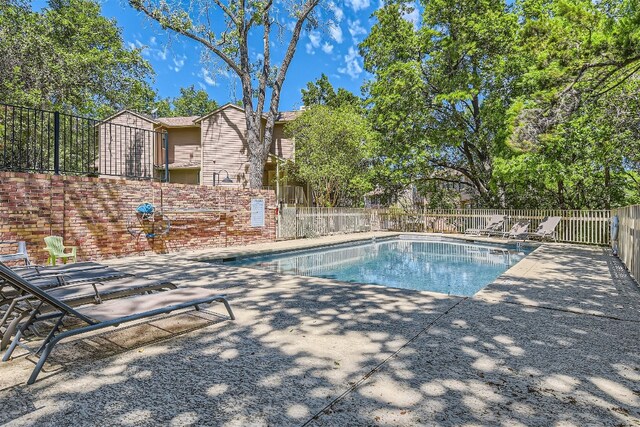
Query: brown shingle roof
[(287, 116), (177, 121), (135, 113)]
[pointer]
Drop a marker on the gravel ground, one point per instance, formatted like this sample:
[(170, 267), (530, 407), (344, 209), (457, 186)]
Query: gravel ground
[(554, 341)]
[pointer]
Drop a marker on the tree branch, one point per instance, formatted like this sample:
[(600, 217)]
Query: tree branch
[(163, 20), (266, 65)]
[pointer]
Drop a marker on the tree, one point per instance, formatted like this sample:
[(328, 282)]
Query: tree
[(579, 51), (333, 152), (574, 131), (321, 92), (588, 161), (229, 42), (70, 58), (440, 93), (192, 102)]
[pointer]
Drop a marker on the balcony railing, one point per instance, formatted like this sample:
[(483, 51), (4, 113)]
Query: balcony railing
[(34, 140)]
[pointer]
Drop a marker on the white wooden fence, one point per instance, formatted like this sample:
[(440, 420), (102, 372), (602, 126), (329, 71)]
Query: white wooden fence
[(577, 226), (294, 223), (629, 238)]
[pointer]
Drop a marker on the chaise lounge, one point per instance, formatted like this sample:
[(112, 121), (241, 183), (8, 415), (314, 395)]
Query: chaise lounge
[(493, 224), (518, 230), (100, 316), (547, 228), (19, 305)]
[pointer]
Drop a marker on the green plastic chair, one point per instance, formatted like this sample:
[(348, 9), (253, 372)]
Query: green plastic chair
[(56, 250)]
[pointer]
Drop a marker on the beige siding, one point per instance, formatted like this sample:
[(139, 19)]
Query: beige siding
[(184, 145), (281, 146), (224, 146), (126, 146)]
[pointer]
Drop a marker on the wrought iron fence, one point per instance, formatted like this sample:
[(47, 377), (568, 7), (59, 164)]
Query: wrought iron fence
[(33, 140)]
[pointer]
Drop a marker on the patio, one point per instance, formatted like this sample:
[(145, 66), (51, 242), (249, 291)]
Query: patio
[(552, 341)]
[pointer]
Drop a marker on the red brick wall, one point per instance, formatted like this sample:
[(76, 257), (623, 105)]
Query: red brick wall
[(92, 213)]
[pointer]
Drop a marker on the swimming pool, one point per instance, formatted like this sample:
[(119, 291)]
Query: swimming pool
[(446, 266)]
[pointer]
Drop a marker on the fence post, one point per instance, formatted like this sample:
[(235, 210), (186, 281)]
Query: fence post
[(56, 143), (165, 137)]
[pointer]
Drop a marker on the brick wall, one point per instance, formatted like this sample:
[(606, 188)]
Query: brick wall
[(92, 214)]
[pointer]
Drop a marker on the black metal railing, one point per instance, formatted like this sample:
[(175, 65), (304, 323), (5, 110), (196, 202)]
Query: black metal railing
[(33, 140)]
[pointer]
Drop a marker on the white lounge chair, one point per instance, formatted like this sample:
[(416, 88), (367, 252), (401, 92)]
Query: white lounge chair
[(547, 228), (20, 255), (493, 224), (518, 230)]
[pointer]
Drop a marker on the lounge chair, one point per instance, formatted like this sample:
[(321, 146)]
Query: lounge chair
[(547, 228), (54, 276), (99, 316), (518, 230), (74, 295), (21, 255), (65, 268), (493, 224), (56, 249)]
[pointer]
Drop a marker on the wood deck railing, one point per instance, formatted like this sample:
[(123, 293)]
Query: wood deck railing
[(629, 238), (577, 226)]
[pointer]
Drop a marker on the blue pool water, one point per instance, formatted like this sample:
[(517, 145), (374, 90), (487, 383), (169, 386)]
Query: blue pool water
[(448, 267)]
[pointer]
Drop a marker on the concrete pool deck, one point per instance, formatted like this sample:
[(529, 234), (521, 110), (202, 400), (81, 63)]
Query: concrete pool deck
[(554, 341)]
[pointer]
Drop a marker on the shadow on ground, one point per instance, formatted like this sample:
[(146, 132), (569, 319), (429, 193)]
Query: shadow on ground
[(543, 345)]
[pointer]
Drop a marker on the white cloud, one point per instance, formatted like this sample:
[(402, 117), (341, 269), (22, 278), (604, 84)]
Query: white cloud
[(355, 29), (178, 63), (413, 16), (207, 77), (357, 5), (314, 38), (314, 41), (327, 47), (309, 49), (352, 64), (335, 32), (152, 41), (150, 52), (338, 13), (161, 54)]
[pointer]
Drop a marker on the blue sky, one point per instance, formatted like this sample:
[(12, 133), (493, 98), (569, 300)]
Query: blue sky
[(331, 49)]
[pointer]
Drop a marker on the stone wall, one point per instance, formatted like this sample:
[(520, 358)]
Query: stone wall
[(92, 213)]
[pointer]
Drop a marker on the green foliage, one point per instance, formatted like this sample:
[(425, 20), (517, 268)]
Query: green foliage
[(70, 58), (573, 131), (190, 102), (529, 105), (321, 92), (333, 148), (440, 91), (589, 160)]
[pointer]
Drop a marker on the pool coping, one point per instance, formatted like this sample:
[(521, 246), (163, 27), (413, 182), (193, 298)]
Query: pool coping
[(294, 245)]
